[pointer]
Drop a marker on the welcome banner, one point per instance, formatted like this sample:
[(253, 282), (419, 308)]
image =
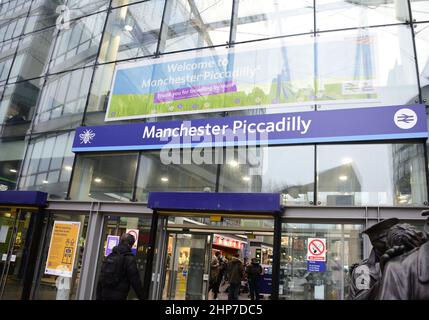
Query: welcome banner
[(233, 79)]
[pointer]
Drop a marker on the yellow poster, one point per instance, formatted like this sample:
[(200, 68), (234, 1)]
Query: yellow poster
[(62, 249)]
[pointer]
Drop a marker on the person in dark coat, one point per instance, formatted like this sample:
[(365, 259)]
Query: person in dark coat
[(406, 277), (129, 276), (254, 271), (235, 275), (365, 278)]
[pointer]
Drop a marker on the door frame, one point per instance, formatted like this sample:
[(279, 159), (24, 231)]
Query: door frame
[(35, 229)]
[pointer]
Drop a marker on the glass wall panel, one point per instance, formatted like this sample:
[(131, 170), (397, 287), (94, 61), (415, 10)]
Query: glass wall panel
[(371, 174), (118, 3), (44, 14), (422, 48), (48, 165), (79, 8), (33, 55), (52, 287), (176, 171), (63, 101), (420, 10), (108, 177), (273, 18), (7, 52), (11, 154), (132, 31), (195, 24), (343, 247), (78, 45), (366, 67), (100, 89), (341, 14), (14, 7), (12, 18), (286, 170), (17, 107)]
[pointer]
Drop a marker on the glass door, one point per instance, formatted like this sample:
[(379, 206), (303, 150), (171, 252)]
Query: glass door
[(15, 239), (186, 266)]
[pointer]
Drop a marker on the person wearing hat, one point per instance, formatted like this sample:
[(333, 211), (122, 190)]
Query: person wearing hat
[(119, 272), (365, 278), (406, 277)]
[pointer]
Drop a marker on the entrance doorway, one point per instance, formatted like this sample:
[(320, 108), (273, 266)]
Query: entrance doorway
[(15, 241), (185, 259)]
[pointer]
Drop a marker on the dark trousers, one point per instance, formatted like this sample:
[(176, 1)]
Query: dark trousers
[(214, 286), (254, 289), (233, 291)]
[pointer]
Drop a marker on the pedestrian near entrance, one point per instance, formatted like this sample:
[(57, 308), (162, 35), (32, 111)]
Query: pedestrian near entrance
[(119, 272), (254, 272), (214, 281), (235, 275)]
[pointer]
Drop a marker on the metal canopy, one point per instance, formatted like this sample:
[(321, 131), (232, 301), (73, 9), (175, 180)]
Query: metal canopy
[(215, 202), (23, 198)]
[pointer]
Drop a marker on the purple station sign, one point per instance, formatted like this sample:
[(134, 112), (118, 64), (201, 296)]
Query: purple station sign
[(363, 124)]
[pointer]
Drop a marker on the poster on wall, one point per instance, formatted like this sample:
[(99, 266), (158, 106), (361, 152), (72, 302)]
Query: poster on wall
[(62, 248), (225, 79), (112, 241)]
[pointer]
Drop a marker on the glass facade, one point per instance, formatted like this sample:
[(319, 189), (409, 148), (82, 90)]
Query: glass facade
[(57, 61)]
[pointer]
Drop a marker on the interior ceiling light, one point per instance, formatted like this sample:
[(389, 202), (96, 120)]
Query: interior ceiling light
[(127, 27), (164, 179), (343, 178), (68, 168), (98, 180), (233, 163), (246, 178)]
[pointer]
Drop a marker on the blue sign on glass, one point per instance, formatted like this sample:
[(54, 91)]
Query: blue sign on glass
[(316, 266), (360, 124)]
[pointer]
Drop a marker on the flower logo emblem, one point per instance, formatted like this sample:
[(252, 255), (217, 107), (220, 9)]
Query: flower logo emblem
[(87, 136)]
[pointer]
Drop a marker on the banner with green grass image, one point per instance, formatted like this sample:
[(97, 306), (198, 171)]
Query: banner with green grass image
[(232, 79)]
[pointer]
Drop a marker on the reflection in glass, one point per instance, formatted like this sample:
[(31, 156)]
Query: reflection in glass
[(17, 107), (422, 47), (195, 24), (132, 31), (379, 174), (33, 55), (11, 154), (48, 165), (63, 99), (78, 45), (287, 170), (13, 15), (7, 52), (106, 177), (273, 18), (420, 10), (374, 67), (341, 14), (343, 249), (43, 14), (179, 174)]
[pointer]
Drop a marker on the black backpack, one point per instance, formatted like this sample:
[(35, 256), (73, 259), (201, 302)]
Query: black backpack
[(112, 270)]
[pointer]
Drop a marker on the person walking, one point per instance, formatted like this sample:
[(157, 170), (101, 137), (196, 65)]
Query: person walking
[(254, 271), (235, 275), (214, 282), (119, 272)]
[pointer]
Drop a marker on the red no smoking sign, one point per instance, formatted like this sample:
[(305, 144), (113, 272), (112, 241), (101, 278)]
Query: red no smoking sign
[(316, 249)]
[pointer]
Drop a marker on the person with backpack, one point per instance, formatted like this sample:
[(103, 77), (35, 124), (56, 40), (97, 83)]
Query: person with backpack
[(119, 272), (253, 272)]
